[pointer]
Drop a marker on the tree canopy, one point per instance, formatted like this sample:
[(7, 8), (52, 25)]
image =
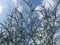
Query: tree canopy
[(19, 29)]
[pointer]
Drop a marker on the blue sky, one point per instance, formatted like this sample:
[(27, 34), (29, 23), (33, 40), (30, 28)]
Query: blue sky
[(5, 5)]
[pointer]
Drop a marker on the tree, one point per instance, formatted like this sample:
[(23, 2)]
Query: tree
[(30, 30)]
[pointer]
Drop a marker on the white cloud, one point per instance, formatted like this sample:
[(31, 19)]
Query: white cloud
[(40, 14), (57, 35), (5, 6), (29, 19), (1, 8), (19, 7), (47, 2), (15, 2)]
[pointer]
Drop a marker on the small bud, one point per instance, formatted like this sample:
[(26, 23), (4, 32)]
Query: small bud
[(19, 8)]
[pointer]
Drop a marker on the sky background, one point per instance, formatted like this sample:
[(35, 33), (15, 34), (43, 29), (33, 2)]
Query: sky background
[(5, 5)]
